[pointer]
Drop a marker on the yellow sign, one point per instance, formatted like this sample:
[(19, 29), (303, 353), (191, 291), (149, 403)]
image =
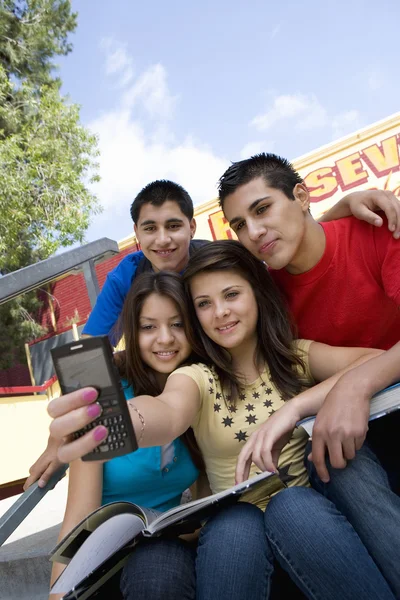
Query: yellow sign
[(379, 161), (368, 159)]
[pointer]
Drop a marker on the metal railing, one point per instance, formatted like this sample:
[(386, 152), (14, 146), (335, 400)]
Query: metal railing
[(81, 259)]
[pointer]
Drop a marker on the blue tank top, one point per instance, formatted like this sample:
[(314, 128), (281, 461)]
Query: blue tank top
[(140, 476)]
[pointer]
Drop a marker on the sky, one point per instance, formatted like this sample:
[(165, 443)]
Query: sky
[(179, 89)]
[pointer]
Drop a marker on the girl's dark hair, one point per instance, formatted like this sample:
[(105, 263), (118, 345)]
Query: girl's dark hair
[(275, 335), (129, 361)]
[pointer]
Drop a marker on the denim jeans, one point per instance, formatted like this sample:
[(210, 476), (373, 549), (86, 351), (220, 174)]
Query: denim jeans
[(160, 569), (316, 545), (233, 561), (362, 492)]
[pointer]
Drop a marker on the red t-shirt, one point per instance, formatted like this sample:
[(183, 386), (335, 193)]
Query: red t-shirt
[(352, 296)]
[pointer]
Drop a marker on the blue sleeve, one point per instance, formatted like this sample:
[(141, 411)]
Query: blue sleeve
[(111, 298)]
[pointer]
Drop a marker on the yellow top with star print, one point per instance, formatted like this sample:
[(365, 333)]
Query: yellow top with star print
[(221, 429)]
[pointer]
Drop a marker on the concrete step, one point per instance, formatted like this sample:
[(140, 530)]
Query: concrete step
[(24, 558)]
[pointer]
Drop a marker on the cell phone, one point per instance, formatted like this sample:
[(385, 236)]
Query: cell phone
[(89, 363)]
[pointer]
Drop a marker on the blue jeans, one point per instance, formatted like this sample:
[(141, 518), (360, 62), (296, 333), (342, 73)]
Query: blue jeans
[(362, 492), (233, 561), (160, 569), (316, 545)]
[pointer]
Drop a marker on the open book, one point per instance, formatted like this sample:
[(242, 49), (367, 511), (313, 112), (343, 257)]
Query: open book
[(98, 546), (383, 403)]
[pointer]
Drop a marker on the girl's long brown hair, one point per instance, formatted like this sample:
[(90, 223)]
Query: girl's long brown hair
[(129, 361), (274, 331)]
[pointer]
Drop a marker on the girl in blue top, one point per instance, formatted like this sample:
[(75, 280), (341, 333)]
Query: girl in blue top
[(154, 323)]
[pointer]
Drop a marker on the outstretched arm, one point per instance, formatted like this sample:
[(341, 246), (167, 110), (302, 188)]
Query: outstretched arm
[(364, 204), (166, 417)]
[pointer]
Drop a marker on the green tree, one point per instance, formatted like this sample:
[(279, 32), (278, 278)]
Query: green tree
[(47, 159)]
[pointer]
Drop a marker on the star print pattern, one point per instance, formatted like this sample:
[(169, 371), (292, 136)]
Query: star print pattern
[(251, 419), (226, 422), (241, 436), (232, 409), (284, 474)]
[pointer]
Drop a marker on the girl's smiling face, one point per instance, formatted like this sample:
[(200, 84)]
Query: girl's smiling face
[(162, 340), (226, 307)]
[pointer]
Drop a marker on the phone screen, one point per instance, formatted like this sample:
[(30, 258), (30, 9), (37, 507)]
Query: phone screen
[(83, 369)]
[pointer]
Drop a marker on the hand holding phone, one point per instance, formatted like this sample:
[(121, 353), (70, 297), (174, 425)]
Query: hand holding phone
[(89, 363)]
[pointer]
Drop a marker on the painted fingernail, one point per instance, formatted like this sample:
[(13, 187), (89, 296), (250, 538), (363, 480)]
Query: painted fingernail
[(94, 410), (89, 395), (100, 433)]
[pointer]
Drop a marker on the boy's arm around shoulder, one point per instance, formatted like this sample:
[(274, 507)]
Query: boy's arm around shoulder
[(342, 421), (363, 205)]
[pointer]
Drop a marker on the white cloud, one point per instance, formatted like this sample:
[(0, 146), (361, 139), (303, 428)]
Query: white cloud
[(310, 113), (301, 112), (152, 93), (274, 32), (118, 61), (345, 123), (135, 150), (256, 147)]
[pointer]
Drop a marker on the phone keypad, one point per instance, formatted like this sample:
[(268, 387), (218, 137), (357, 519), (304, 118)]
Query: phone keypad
[(116, 432)]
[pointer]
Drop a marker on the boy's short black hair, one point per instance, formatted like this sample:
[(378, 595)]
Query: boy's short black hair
[(277, 173), (158, 192)]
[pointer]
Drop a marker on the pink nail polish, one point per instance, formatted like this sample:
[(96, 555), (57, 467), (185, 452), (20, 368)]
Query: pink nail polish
[(89, 395), (100, 433), (94, 410)]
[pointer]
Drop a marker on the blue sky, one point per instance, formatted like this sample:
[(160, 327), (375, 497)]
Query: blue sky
[(178, 89)]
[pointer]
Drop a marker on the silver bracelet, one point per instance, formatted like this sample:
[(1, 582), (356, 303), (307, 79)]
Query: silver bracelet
[(141, 417)]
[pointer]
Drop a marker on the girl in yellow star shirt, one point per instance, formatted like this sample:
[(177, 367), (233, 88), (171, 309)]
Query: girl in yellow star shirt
[(251, 367)]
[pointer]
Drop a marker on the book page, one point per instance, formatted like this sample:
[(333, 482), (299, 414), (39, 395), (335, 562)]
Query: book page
[(69, 545), (180, 513), (382, 404), (100, 545)]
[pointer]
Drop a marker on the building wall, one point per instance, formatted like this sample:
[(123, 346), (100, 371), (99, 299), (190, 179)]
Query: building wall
[(65, 299)]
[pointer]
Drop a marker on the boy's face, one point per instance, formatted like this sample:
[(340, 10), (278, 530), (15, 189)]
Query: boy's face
[(268, 223), (164, 234)]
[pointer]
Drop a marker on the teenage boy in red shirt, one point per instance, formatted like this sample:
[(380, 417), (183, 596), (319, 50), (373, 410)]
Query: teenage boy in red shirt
[(342, 283)]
